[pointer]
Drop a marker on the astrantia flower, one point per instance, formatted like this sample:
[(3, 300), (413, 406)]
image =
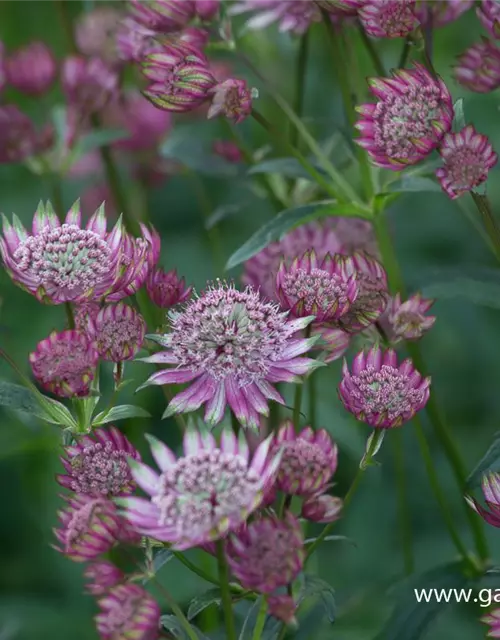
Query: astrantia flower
[(354, 234), (347, 6), (232, 99), (128, 612), (65, 363), (228, 150), (233, 346), (408, 320), (82, 312), (163, 16), (478, 68), (267, 554), (194, 36), (166, 289), (207, 9), (489, 14), (88, 84), (373, 294), (134, 41), (468, 156), (291, 15), (381, 393), (333, 341), (412, 115), (388, 18), (18, 138), (31, 69), (62, 262), (260, 271), (198, 498), (492, 618), (98, 465), (312, 287), (491, 491), (101, 576), (308, 460), (95, 33), (283, 608), (118, 332), (322, 508), (441, 12)]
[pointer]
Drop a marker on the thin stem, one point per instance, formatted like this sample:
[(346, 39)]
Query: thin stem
[(300, 76), (213, 233), (296, 406), (227, 604), (312, 418), (66, 23), (261, 621), (179, 614), (194, 568), (370, 47), (402, 495), (489, 221), (405, 52)]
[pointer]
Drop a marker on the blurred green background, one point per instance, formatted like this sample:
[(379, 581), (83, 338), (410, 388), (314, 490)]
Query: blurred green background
[(40, 591)]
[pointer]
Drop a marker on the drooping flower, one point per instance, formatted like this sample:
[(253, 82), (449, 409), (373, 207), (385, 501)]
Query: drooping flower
[(101, 576), (200, 497), (232, 99), (439, 13), (290, 15), (322, 508), (163, 16), (65, 363), (379, 392), (18, 138), (234, 347), (478, 68), (468, 156), (128, 612), (491, 491), (282, 607), (134, 41), (97, 464), (260, 271), (492, 618), (408, 320), (269, 553), (308, 460), (166, 289), (31, 69), (413, 112), (62, 262), (118, 332), (388, 18), (96, 32), (333, 341), (228, 150), (373, 293), (488, 13), (207, 9)]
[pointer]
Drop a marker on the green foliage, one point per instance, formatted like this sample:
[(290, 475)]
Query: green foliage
[(287, 167), (120, 412), (204, 600), (318, 589), (489, 462)]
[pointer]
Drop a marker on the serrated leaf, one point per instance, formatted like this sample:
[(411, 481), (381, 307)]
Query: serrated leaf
[(314, 587), (98, 138), (120, 412), (411, 619), (413, 183), (221, 213), (204, 600), (161, 558), (172, 624), (490, 459), (459, 119), (478, 292), (287, 167)]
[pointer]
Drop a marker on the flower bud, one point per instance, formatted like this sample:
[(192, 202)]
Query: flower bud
[(324, 508), (232, 99), (31, 69)]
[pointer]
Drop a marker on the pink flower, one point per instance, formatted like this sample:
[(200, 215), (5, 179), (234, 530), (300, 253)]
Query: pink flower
[(468, 156), (82, 312), (268, 554), (164, 16), (228, 150), (491, 491), (232, 99), (31, 69), (291, 15), (408, 320), (492, 619), (233, 347), (207, 9), (118, 332), (489, 13), (283, 608), (97, 465), (62, 262), (65, 364), (478, 68), (200, 497), (388, 18), (96, 32), (18, 138), (195, 37), (128, 611), (354, 234), (101, 576), (134, 41), (413, 112), (167, 289), (379, 392), (439, 13), (322, 508), (333, 342), (88, 84), (349, 7)]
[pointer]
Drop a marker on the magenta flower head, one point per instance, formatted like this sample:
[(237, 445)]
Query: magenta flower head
[(268, 554), (295, 16), (232, 99), (163, 16), (334, 6), (379, 392), (88, 84), (65, 364), (355, 234), (491, 491), (96, 31), (373, 291), (228, 150), (180, 76), (118, 331), (207, 9), (318, 288), (200, 497), (18, 137), (194, 37), (134, 41), (101, 576), (408, 320), (439, 13), (166, 289), (97, 464), (413, 112), (333, 342), (82, 312), (261, 270), (388, 18), (492, 618), (468, 156), (488, 13), (62, 262), (322, 508), (31, 69), (234, 347), (282, 607), (128, 612), (478, 68), (308, 460)]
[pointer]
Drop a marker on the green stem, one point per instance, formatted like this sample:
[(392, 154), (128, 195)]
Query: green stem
[(227, 603), (370, 47), (261, 621), (177, 611), (66, 23), (405, 52), (489, 221), (300, 77), (312, 419), (296, 407), (213, 233), (402, 495)]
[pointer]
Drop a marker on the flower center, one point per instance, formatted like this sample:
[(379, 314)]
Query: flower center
[(119, 337), (466, 168), (316, 289), (302, 459), (83, 520), (396, 18), (121, 614), (64, 361), (101, 469)]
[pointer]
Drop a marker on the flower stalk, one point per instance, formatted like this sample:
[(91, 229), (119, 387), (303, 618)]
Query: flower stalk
[(227, 604)]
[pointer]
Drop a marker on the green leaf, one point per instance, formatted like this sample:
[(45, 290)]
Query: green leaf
[(413, 183), (96, 139), (250, 620), (221, 213), (288, 167), (411, 619), (204, 600), (314, 587), (483, 293), (352, 542), (490, 460), (173, 625), (120, 412), (459, 119), (161, 558), (20, 398)]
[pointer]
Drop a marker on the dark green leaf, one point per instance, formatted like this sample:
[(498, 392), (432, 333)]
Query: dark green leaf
[(287, 167), (474, 291), (413, 183), (161, 558), (310, 541), (204, 600), (250, 620), (20, 398), (315, 587), (459, 119), (490, 461), (221, 213), (172, 624), (98, 138), (120, 412)]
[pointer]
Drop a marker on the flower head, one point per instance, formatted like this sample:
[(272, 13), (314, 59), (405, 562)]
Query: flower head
[(134, 41), (441, 12), (333, 341), (311, 287), (478, 68), (164, 16), (468, 156), (412, 115), (95, 33), (166, 289), (308, 460), (354, 234), (18, 138), (128, 612), (65, 363), (267, 554), (491, 491), (408, 320), (388, 18), (198, 498), (291, 15), (194, 36), (322, 508), (228, 150), (207, 9), (62, 262), (31, 69), (118, 331), (379, 392), (232, 99), (82, 312), (101, 576), (488, 13), (97, 464), (88, 84), (334, 6), (282, 607), (233, 346)]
